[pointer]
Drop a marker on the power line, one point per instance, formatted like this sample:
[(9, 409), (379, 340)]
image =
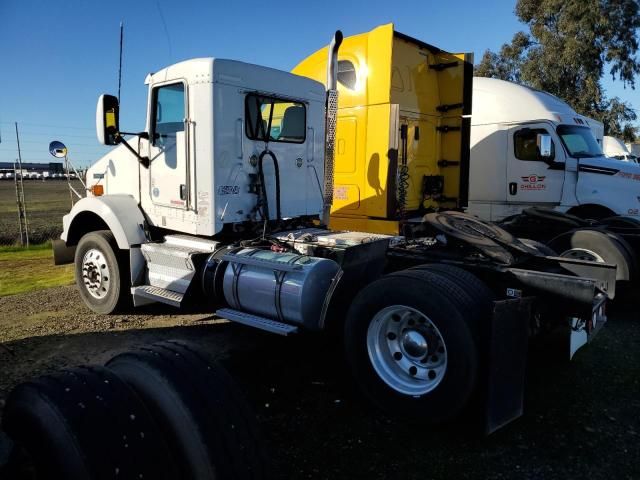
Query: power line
[(44, 125)]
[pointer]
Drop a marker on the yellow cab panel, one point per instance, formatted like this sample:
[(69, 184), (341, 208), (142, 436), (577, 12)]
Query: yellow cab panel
[(402, 139)]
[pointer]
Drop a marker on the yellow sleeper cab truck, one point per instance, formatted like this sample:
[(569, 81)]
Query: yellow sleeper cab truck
[(402, 141)]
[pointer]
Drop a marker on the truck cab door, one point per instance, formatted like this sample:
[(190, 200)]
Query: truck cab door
[(168, 147), (531, 180)]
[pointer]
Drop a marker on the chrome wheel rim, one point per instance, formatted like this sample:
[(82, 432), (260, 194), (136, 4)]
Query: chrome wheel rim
[(407, 350), (96, 276), (583, 254)]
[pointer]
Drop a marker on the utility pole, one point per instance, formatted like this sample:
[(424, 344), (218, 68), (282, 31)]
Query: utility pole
[(23, 210), (18, 202)]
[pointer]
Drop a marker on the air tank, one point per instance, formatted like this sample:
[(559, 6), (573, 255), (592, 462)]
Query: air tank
[(286, 287)]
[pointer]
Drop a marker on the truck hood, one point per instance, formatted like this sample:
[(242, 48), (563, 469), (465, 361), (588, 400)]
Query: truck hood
[(610, 163)]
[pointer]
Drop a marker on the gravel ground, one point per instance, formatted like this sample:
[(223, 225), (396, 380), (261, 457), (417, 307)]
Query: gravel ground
[(582, 419)]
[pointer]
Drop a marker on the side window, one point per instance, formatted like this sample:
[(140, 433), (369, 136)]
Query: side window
[(525, 146), (168, 112), (271, 119), (347, 74)]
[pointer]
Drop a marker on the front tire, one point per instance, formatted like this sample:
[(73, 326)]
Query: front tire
[(102, 273), (411, 348)]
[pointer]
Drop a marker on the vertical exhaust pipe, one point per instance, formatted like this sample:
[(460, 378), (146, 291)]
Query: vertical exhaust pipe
[(332, 64), (331, 120)]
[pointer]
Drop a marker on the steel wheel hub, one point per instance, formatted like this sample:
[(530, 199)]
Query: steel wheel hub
[(406, 350), (95, 273), (414, 344)]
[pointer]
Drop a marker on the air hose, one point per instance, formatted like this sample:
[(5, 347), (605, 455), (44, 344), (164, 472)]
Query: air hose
[(403, 174), (263, 187)]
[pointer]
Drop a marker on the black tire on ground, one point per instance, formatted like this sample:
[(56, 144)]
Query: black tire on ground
[(435, 297), (116, 295), (610, 247), (540, 247), (203, 415), (84, 423)]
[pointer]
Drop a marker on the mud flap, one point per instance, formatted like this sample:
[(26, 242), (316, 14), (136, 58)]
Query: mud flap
[(506, 363), (62, 255)]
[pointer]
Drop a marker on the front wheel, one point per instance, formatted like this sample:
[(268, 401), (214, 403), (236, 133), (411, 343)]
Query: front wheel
[(411, 348), (102, 272)]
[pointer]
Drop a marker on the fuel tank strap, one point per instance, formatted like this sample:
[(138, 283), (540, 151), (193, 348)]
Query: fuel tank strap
[(258, 262)]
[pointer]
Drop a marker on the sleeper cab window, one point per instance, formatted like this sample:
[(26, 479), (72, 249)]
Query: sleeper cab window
[(347, 74), (271, 119), (525, 144), (168, 113)]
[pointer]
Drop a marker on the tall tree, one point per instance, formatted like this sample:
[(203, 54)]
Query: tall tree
[(569, 46)]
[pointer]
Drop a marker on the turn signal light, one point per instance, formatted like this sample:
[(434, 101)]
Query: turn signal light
[(97, 190)]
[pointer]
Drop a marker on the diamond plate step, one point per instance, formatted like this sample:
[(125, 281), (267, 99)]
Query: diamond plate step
[(193, 243), (257, 322), (170, 264), (157, 294)]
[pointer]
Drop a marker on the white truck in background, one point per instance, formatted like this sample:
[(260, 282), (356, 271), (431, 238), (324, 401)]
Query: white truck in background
[(537, 168), (615, 148), (634, 148)]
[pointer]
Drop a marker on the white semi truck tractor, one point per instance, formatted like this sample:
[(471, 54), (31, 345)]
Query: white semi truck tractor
[(224, 198), (537, 168), (614, 147)]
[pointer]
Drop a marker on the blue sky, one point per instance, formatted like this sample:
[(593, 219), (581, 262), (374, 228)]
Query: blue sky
[(59, 56)]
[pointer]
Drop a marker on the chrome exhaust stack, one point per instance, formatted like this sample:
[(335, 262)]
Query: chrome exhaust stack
[(331, 120)]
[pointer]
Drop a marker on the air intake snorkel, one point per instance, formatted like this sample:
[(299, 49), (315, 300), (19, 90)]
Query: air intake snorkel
[(331, 119)]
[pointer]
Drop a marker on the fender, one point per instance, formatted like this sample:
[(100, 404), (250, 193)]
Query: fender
[(119, 212)]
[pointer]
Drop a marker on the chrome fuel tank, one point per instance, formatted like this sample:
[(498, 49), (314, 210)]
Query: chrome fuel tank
[(286, 287)]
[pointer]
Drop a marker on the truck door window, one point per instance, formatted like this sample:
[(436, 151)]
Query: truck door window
[(272, 119), (525, 144), (168, 112)]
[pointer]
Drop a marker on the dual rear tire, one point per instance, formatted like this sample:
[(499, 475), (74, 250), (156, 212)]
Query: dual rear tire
[(413, 340)]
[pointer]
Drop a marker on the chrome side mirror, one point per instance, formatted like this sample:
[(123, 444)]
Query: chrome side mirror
[(58, 149), (545, 147)]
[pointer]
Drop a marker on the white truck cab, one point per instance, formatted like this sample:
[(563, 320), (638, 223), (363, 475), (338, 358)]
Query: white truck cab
[(508, 171), (615, 148), (179, 186)]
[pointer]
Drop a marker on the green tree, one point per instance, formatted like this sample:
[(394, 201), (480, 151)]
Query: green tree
[(570, 45)]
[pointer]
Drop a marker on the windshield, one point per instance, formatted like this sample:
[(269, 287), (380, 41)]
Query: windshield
[(579, 141)]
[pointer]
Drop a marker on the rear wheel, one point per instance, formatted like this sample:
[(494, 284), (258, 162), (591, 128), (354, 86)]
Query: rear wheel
[(411, 346), (597, 246), (102, 273)]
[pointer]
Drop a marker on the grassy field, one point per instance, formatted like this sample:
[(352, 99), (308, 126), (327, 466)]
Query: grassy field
[(24, 270), (46, 203)]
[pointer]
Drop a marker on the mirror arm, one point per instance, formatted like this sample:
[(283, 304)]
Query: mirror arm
[(144, 135), (144, 161)]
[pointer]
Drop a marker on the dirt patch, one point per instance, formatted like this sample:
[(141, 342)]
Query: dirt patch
[(582, 419)]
